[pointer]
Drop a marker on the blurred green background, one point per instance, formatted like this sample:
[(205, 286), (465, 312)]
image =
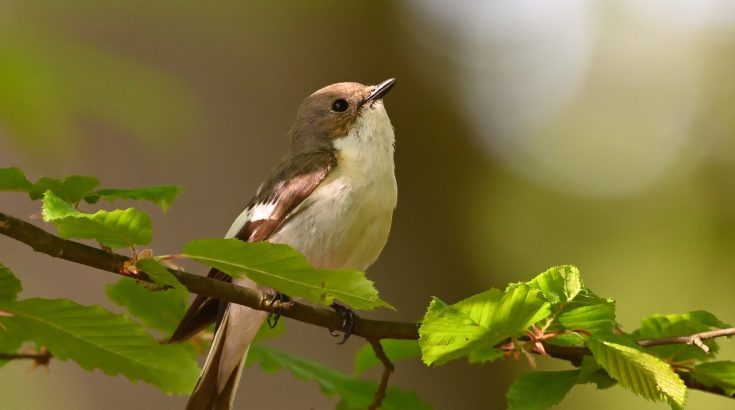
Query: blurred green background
[(529, 134)]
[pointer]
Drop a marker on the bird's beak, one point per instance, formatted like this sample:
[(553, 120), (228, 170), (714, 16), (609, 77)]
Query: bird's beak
[(380, 90)]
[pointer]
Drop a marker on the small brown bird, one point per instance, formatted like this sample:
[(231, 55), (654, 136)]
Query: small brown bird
[(332, 199)]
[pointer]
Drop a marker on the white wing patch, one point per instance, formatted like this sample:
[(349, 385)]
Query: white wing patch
[(255, 213), (262, 211)]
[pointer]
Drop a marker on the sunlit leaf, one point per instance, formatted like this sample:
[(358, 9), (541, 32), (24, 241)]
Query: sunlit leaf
[(163, 195), (593, 314), (13, 179), (98, 339), (559, 284), (644, 374), (71, 189), (540, 390), (483, 320), (116, 229), (716, 374), (161, 310), (485, 354), (395, 350), (281, 267), (685, 324), (354, 393)]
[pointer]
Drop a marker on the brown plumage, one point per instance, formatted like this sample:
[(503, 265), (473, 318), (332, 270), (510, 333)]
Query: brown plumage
[(320, 121)]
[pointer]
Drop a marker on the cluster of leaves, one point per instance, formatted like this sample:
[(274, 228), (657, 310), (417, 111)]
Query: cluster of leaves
[(124, 344), (556, 310), (552, 312)]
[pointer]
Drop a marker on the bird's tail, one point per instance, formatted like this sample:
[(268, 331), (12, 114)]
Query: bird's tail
[(220, 377)]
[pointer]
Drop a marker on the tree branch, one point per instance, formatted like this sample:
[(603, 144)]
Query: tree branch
[(371, 330), (52, 245), (388, 368), (695, 339)]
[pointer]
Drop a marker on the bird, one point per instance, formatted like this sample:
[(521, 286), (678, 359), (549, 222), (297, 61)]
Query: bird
[(332, 198)]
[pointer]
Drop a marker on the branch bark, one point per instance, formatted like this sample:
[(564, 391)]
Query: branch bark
[(388, 368), (52, 245), (695, 339), (371, 330)]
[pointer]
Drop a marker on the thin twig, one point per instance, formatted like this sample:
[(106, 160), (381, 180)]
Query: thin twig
[(52, 245), (695, 339), (371, 330), (388, 368), (40, 358)]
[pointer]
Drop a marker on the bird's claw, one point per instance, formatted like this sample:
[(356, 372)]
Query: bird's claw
[(275, 315), (349, 319)]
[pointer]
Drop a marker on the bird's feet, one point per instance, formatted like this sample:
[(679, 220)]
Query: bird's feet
[(275, 314), (349, 319)]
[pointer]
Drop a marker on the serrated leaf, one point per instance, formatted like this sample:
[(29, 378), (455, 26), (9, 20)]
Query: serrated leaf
[(559, 284), (540, 390), (9, 285), (282, 268), (115, 229), (161, 310), (588, 312), (685, 324), (13, 179), (354, 393), (395, 350), (98, 339), (716, 374), (591, 372), (71, 189), (158, 273), (481, 321), (163, 195), (485, 354), (644, 374)]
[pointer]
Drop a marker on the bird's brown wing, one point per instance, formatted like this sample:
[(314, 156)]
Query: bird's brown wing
[(276, 201)]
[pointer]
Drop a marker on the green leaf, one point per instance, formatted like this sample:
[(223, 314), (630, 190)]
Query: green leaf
[(98, 339), (160, 310), (485, 354), (282, 268), (685, 324), (13, 179), (591, 372), (9, 285), (540, 390), (559, 284), (10, 339), (355, 393), (71, 189), (716, 374), (162, 195), (588, 312), (395, 350), (115, 229), (159, 274), (642, 373), (481, 321)]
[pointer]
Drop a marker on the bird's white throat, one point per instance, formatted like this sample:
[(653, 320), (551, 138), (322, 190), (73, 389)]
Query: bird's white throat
[(346, 221)]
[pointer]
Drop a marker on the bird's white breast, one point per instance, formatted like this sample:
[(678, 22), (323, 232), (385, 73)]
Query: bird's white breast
[(345, 222)]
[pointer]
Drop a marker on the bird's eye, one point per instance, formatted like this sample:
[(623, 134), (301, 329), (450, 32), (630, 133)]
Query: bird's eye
[(340, 105)]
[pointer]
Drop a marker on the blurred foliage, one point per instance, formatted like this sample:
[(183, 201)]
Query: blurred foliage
[(52, 85)]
